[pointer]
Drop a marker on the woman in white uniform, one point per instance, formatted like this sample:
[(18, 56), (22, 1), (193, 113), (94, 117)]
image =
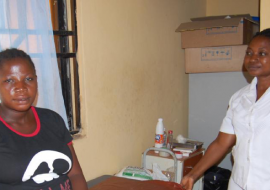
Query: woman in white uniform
[(246, 127)]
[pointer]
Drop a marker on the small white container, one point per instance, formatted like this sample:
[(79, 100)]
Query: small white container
[(178, 154), (164, 154)]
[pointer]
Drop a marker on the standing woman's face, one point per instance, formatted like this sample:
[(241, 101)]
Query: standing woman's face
[(18, 84), (257, 58)]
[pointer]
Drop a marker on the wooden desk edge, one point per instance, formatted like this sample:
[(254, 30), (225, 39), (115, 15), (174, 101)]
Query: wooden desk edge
[(195, 153)]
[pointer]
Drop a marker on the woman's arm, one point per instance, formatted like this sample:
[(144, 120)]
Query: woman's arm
[(215, 152), (76, 175)]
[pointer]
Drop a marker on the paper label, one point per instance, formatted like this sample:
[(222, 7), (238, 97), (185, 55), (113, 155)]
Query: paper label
[(216, 53), (159, 139)]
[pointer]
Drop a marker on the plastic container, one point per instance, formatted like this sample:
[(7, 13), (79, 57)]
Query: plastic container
[(159, 134), (165, 138), (178, 154), (164, 154), (170, 140)]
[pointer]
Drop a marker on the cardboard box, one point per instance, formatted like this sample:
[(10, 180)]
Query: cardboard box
[(215, 59), (218, 31)]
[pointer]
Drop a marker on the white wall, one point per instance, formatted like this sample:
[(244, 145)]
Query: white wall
[(209, 95)]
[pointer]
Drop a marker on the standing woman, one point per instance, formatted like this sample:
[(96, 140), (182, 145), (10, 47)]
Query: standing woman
[(36, 151), (246, 126)]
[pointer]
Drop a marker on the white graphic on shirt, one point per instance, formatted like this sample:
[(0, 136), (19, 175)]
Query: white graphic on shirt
[(49, 157)]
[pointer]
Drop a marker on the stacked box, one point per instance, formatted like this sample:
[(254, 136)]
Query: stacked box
[(216, 44)]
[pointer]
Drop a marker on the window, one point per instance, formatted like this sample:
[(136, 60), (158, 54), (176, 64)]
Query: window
[(63, 14)]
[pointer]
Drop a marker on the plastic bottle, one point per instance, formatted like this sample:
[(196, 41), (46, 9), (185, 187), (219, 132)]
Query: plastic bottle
[(170, 139), (159, 134), (165, 138)]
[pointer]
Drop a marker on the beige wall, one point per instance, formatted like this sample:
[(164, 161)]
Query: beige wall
[(265, 14), (224, 7), (131, 73)]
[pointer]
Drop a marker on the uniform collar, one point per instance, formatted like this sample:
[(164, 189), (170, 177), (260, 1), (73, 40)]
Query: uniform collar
[(253, 84), (252, 93)]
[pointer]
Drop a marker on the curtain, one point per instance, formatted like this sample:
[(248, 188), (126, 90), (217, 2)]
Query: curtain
[(26, 25)]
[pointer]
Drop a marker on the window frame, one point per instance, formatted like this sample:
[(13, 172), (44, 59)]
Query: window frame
[(70, 85)]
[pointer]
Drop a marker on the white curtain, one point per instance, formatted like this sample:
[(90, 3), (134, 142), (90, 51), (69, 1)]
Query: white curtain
[(26, 24)]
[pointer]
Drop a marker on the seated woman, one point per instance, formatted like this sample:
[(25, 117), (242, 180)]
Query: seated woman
[(36, 151)]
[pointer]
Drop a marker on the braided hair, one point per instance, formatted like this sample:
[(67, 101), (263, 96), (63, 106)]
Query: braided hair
[(12, 53)]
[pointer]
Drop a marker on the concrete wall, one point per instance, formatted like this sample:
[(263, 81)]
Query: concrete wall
[(209, 93), (131, 72)]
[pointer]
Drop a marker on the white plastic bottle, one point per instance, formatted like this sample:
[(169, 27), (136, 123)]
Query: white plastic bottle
[(159, 134)]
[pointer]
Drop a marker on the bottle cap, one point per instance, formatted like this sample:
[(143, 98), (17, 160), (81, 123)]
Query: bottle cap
[(170, 132), (160, 119)]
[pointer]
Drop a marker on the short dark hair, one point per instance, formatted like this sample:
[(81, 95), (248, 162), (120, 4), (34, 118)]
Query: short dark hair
[(265, 33), (15, 53)]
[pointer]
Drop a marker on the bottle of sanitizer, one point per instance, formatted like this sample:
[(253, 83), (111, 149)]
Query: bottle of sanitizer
[(159, 134)]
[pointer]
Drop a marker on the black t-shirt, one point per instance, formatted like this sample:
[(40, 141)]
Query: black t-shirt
[(37, 161)]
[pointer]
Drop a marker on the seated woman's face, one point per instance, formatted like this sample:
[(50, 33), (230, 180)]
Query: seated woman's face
[(18, 84)]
